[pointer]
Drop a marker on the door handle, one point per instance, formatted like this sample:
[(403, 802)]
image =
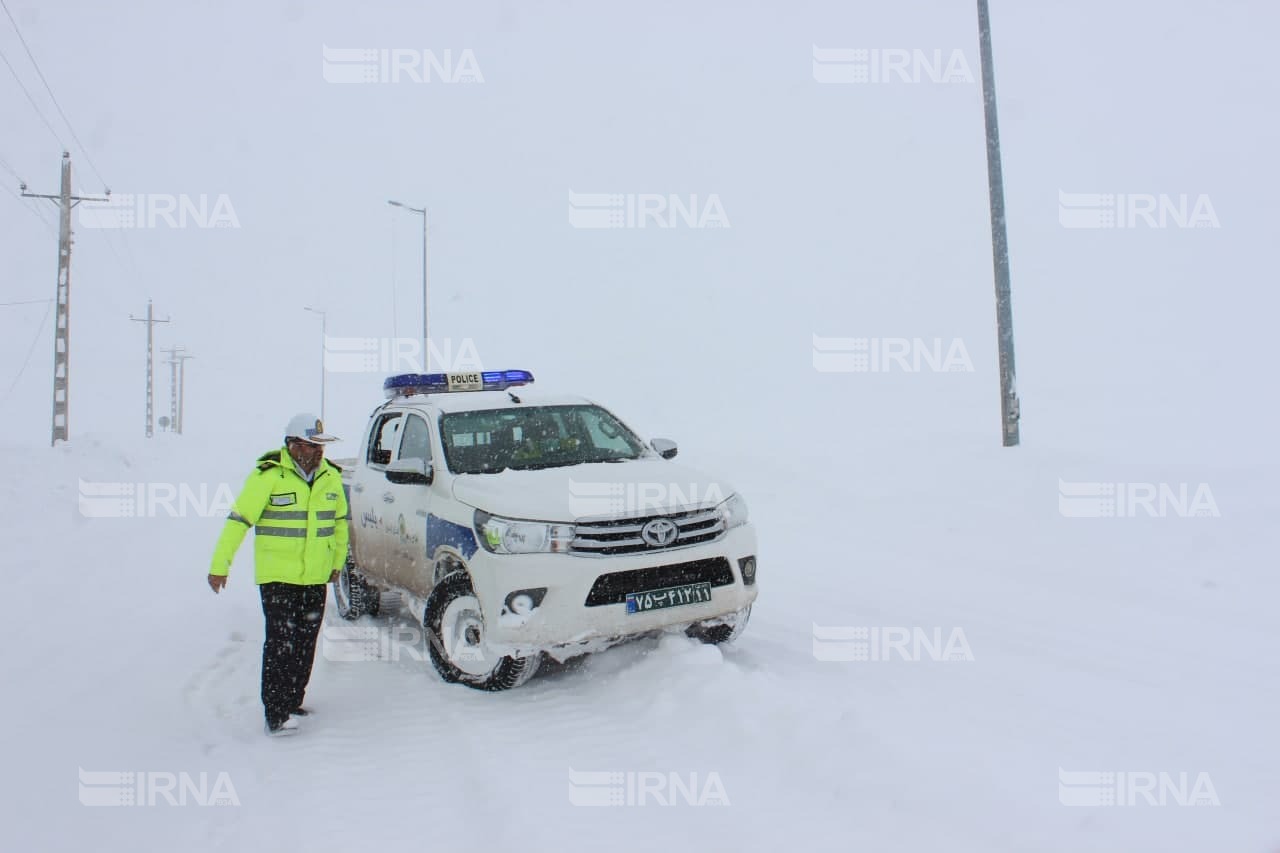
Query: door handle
[(358, 488), (387, 497)]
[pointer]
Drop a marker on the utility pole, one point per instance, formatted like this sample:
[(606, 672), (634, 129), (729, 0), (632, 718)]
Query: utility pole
[(151, 322), (1009, 406), (426, 345), (173, 391), (421, 211), (182, 387), (62, 317), (173, 386)]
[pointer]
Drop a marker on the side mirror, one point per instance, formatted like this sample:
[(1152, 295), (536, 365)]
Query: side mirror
[(665, 447), (411, 471)]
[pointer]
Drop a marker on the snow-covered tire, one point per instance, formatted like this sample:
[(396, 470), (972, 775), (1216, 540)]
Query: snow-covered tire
[(455, 641), (725, 629), (353, 595)]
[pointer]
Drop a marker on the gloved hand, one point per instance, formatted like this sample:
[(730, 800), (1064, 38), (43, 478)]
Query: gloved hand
[(217, 582)]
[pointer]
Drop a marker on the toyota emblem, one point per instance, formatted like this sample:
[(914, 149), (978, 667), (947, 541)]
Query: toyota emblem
[(659, 533)]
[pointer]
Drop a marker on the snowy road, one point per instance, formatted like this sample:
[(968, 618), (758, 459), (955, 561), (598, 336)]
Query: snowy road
[(1108, 645)]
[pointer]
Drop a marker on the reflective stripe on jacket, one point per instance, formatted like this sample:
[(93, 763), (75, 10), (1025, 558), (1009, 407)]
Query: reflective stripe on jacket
[(300, 528)]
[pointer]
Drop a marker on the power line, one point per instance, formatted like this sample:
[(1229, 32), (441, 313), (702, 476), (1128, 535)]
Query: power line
[(128, 262), (34, 211), (25, 302), (52, 97), (115, 254), (32, 349), (39, 214), (32, 101), (10, 170)]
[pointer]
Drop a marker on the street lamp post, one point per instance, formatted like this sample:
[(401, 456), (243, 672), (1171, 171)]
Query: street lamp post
[(324, 338), (426, 356)]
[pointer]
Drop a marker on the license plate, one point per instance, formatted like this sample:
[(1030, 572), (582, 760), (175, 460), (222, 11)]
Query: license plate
[(675, 596)]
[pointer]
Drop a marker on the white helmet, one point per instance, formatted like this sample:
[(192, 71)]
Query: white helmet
[(308, 428)]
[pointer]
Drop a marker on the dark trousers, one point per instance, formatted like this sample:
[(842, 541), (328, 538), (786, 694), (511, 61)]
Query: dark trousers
[(293, 615)]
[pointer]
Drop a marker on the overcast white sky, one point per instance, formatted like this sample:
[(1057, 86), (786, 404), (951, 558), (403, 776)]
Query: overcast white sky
[(854, 210)]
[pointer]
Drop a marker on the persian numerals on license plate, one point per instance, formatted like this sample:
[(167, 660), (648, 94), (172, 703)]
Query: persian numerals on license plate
[(675, 596), (465, 381)]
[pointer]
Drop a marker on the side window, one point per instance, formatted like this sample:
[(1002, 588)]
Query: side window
[(604, 432), (416, 443), (386, 429)]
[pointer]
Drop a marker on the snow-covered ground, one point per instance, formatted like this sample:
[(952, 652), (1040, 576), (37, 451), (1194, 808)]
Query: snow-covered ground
[(1098, 644), (1143, 647)]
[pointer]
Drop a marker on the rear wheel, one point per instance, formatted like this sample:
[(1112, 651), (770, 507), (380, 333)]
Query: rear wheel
[(456, 641), (353, 595)]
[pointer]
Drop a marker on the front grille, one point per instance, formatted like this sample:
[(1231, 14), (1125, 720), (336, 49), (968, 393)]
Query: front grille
[(613, 588), (622, 535)]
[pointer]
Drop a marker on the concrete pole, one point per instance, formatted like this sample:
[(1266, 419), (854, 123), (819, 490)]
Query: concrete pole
[(151, 321), (1009, 406), (62, 318)]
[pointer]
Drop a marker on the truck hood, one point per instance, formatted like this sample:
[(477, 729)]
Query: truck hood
[(648, 486)]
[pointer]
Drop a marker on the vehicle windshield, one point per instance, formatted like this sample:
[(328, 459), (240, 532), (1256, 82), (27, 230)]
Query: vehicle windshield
[(486, 442)]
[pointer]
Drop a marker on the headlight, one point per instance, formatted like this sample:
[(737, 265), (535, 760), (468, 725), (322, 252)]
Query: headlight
[(510, 536), (733, 512)]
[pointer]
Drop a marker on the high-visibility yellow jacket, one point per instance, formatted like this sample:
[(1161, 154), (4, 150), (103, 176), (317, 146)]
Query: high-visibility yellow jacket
[(300, 528)]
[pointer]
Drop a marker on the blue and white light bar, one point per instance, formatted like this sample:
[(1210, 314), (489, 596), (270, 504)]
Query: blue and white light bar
[(408, 384)]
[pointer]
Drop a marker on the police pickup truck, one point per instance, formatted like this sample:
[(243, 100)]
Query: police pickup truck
[(518, 525)]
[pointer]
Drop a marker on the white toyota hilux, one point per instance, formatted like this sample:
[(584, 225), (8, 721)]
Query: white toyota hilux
[(518, 525)]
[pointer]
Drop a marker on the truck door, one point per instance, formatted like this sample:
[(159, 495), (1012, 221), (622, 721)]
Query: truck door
[(410, 503), (372, 518)]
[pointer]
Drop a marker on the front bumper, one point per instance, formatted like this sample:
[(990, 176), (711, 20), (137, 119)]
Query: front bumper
[(563, 623)]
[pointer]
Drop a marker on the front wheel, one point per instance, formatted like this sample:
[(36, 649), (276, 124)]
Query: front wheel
[(456, 641)]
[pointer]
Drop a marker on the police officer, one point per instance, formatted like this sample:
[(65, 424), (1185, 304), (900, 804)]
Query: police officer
[(295, 503)]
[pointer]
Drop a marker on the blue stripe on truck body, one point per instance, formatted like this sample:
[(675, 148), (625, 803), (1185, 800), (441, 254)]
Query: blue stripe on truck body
[(442, 532)]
